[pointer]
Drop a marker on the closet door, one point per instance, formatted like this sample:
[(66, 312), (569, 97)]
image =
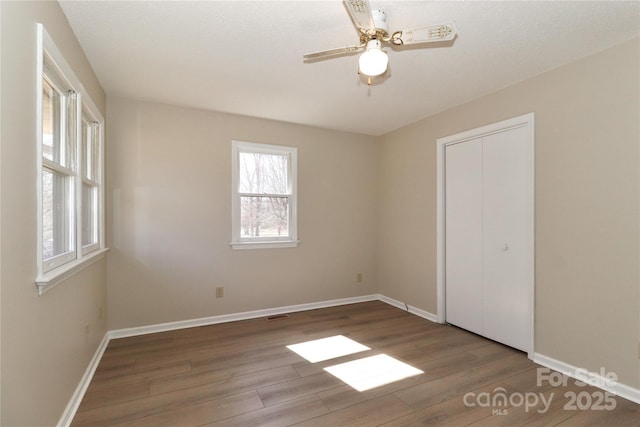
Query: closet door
[(463, 228), (485, 231), (505, 237)]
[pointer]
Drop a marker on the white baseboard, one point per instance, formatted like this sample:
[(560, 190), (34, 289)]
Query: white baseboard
[(224, 318), (76, 398), (411, 309), (78, 394), (622, 390)]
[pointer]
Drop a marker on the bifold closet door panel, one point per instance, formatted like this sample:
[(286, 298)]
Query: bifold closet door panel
[(505, 245), (463, 228)]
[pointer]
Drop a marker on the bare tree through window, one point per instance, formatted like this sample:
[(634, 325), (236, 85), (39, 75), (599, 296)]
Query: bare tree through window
[(264, 194)]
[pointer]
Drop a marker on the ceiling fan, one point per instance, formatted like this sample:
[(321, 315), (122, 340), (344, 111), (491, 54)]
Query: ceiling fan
[(374, 31)]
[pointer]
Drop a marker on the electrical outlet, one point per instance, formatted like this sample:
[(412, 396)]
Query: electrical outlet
[(359, 278), (220, 292)]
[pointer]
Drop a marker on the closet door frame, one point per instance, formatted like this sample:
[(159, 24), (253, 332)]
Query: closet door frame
[(525, 120)]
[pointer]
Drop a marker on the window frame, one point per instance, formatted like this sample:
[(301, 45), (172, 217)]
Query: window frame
[(94, 180), (62, 167), (52, 271), (264, 242)]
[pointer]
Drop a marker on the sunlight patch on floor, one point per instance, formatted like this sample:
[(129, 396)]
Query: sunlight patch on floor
[(370, 372), (327, 348)]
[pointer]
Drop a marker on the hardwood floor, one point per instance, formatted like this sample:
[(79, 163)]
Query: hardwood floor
[(242, 374)]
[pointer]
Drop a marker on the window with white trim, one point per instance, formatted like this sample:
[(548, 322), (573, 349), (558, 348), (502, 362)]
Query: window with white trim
[(70, 194), (90, 192), (59, 105), (264, 203)]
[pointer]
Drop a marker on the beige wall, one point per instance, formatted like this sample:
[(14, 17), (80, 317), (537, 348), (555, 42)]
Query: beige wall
[(45, 350), (169, 220), (587, 207)]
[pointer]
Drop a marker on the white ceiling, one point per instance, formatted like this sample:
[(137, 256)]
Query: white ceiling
[(245, 57)]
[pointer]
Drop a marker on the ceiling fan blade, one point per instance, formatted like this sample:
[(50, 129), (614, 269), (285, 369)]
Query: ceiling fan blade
[(360, 12), (330, 52), (434, 33)]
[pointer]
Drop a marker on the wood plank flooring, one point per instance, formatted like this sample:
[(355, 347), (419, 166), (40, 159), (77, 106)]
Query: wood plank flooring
[(242, 374)]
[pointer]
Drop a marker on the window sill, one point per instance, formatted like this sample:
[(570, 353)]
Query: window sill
[(264, 245), (50, 279)]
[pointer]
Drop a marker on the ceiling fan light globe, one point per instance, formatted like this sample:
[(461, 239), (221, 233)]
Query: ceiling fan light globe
[(373, 62)]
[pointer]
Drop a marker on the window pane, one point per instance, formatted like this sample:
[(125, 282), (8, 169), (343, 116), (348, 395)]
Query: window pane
[(264, 216), (71, 120), (51, 121), (89, 214), (93, 161), (56, 214), (58, 125), (85, 153), (263, 173), (88, 147)]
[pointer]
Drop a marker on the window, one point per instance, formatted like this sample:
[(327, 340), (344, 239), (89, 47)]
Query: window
[(69, 142), (90, 193), (58, 169), (264, 196)]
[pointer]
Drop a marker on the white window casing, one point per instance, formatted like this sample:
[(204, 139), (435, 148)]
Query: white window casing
[(67, 240), (264, 196)]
